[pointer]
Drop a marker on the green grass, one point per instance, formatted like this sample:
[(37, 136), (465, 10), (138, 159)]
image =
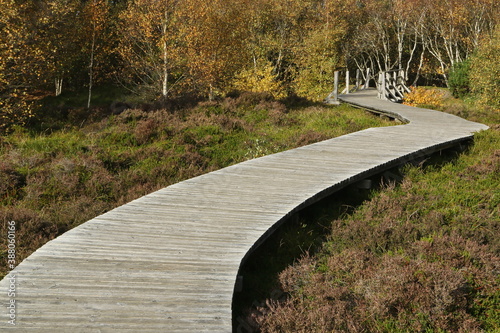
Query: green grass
[(52, 178)]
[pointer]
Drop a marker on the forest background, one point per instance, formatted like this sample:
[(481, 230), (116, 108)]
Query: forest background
[(169, 49)]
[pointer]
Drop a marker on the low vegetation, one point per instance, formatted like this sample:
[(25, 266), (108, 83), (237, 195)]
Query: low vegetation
[(470, 107), (419, 256), (51, 180), (425, 98)]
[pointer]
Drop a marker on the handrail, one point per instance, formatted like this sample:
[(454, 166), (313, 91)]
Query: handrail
[(333, 97), (391, 85)]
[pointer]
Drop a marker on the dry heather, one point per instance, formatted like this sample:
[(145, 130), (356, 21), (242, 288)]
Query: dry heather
[(50, 183), (423, 256)]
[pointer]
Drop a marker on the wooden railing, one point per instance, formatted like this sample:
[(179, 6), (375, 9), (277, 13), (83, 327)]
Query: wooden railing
[(333, 97), (391, 85)]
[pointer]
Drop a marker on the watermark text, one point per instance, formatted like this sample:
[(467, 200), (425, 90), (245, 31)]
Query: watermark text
[(11, 277)]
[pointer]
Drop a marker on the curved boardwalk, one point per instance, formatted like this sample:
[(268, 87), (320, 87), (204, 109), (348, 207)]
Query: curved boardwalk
[(167, 262)]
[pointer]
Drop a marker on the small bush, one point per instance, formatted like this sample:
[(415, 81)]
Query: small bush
[(259, 79), (11, 183), (15, 110), (424, 97), (247, 99), (458, 80)]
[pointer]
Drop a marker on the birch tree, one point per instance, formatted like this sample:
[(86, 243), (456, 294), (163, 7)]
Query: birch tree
[(149, 45), (58, 38), (318, 50), (214, 38), (454, 28), (96, 17)]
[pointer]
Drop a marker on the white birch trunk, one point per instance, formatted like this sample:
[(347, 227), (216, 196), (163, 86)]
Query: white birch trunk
[(165, 57), (58, 84), (91, 64)]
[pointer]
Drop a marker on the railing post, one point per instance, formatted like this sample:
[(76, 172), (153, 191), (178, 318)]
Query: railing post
[(403, 88), (347, 82), (392, 83), (333, 97), (336, 86), (382, 86), (400, 82)]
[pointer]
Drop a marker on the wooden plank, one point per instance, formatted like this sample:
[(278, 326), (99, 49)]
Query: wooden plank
[(168, 261)]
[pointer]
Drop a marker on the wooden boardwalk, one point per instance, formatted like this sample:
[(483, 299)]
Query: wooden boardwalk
[(168, 261)]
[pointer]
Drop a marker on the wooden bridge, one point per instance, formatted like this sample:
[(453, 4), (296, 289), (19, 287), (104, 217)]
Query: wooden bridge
[(168, 262)]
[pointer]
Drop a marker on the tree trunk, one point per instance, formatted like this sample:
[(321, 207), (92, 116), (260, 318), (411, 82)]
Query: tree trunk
[(58, 83), (211, 93), (91, 65), (165, 57), (95, 16)]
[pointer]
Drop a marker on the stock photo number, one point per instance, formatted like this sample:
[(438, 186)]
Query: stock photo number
[(11, 263)]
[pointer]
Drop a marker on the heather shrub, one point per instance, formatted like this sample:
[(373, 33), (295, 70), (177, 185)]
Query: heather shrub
[(310, 137), (229, 123), (423, 256), (252, 99), (32, 230), (146, 131), (276, 111), (11, 183), (412, 289), (52, 181)]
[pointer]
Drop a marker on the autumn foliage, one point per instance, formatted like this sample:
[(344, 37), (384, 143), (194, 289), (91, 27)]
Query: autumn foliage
[(485, 72), (422, 97), (165, 49)]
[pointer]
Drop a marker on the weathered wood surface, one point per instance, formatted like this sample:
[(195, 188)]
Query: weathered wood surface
[(167, 262)]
